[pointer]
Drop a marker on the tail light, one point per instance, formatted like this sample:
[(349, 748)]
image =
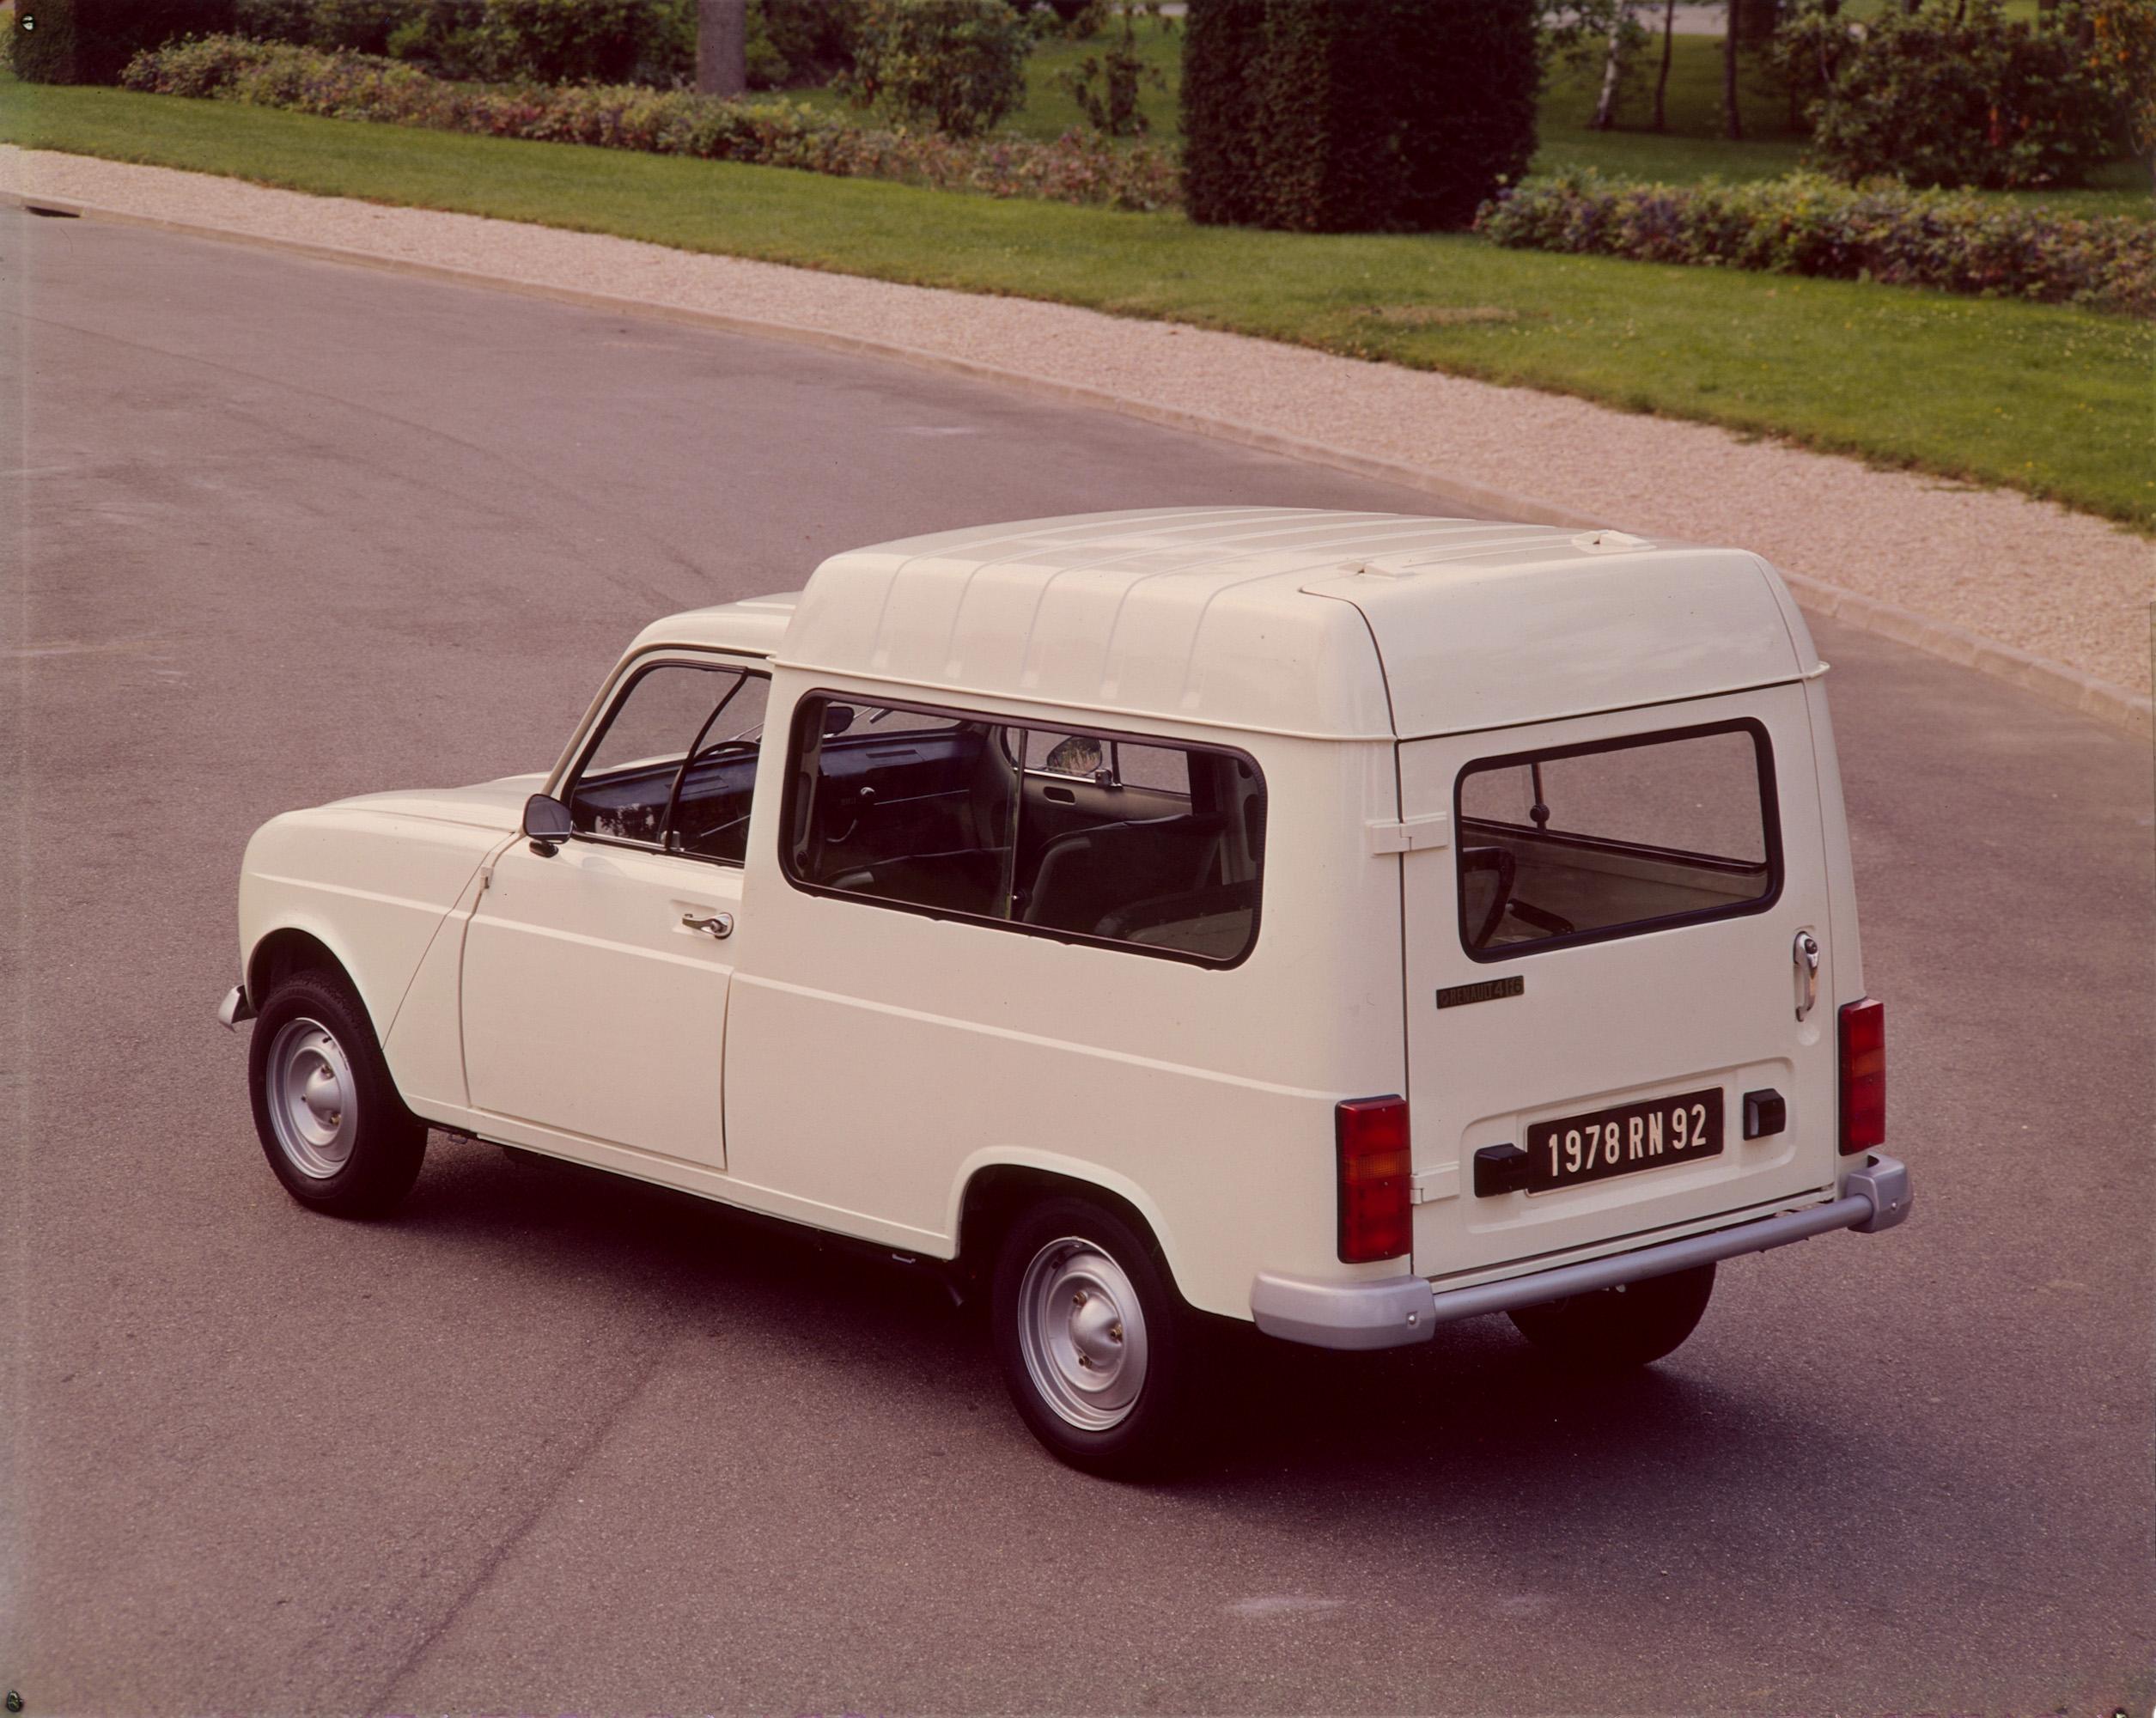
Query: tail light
[(1373, 1138), (1863, 1028)]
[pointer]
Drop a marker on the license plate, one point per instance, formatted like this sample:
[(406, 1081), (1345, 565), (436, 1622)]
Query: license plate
[(1574, 1149)]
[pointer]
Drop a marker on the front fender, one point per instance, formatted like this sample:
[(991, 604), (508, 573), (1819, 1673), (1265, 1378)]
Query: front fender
[(370, 886)]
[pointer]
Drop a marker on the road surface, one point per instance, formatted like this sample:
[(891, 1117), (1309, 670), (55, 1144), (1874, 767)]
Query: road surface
[(285, 530)]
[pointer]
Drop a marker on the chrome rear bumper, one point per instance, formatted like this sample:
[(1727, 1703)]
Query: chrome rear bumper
[(234, 1007), (1392, 1312)]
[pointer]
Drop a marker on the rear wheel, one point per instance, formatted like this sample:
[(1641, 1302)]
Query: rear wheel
[(1616, 1330), (332, 1124), (1091, 1339)]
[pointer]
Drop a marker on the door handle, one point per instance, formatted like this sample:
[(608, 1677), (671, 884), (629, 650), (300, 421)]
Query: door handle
[(718, 925), (1805, 953)]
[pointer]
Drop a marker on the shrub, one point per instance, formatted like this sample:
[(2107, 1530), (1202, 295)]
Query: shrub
[(813, 39), (1076, 168), (1335, 115), (958, 65), (1961, 95), (90, 41), (567, 41), (1106, 86), (1808, 224), (1223, 45), (545, 41)]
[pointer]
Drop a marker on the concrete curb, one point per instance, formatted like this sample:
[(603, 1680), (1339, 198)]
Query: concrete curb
[(2114, 706)]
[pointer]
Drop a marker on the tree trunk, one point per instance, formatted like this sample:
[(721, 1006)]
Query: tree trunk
[(1605, 103), (1662, 77), (723, 39), (1733, 122)]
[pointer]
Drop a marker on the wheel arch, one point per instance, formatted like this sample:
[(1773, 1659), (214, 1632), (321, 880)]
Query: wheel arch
[(993, 1190), (287, 948)]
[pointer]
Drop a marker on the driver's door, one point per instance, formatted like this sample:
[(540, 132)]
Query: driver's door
[(595, 976)]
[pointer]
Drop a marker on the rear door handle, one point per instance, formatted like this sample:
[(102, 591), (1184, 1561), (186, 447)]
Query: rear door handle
[(1805, 953), (719, 924)]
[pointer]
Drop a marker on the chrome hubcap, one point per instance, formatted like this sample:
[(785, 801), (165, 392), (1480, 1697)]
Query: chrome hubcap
[(309, 1088), (1082, 1334)]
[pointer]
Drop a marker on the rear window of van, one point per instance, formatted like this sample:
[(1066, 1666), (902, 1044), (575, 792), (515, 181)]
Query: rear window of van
[(1582, 843)]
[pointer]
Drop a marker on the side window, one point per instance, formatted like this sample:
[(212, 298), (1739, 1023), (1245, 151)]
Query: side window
[(1586, 842), (911, 809), (1076, 835), (674, 762)]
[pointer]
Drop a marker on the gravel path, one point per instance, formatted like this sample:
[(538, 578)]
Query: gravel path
[(2033, 575)]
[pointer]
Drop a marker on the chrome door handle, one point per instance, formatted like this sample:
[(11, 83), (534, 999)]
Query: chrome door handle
[(718, 925), (1806, 954)]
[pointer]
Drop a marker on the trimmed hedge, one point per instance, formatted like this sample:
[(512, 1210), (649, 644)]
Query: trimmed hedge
[(90, 41), (1075, 169), (1223, 43), (1355, 115), (1808, 224)]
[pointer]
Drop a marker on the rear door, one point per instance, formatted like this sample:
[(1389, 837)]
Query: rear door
[(1606, 959)]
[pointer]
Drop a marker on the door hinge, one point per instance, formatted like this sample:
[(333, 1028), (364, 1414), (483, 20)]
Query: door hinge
[(1428, 1186), (1410, 834)]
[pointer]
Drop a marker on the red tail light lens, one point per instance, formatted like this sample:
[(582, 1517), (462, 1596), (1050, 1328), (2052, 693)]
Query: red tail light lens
[(1863, 1076), (1373, 1137)]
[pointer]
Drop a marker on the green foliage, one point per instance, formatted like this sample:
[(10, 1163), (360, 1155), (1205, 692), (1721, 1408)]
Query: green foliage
[(1575, 36), (956, 65), (1106, 86), (1955, 92), (1807, 224), (540, 41), (1346, 115), (1075, 169), (1223, 46), (568, 41), (811, 41), (90, 41)]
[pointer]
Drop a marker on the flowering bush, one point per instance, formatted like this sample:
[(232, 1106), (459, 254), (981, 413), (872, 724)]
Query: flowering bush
[(1957, 240), (1076, 168)]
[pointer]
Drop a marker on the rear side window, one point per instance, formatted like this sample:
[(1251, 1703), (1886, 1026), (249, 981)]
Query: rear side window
[(1085, 837), (1580, 842)]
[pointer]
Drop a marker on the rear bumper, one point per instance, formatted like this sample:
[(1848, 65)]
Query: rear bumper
[(1392, 1312), (234, 1007)]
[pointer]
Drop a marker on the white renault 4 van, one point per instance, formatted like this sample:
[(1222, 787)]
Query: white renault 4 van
[(1343, 922)]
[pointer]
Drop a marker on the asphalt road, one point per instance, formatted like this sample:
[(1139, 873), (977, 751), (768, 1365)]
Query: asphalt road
[(290, 530)]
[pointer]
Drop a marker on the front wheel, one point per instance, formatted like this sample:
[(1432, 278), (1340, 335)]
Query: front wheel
[(1616, 1330), (1091, 1339), (332, 1124)]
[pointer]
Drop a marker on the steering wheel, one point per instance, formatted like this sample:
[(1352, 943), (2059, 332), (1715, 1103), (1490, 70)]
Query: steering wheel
[(1507, 868)]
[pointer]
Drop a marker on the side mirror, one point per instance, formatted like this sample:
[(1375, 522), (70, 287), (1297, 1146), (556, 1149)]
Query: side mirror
[(546, 825), (838, 718)]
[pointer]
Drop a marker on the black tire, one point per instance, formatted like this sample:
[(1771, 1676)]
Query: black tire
[(1618, 1330), (1149, 1433), (363, 1162)]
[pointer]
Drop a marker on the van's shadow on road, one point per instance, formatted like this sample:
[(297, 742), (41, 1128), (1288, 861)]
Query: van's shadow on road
[(1468, 1424)]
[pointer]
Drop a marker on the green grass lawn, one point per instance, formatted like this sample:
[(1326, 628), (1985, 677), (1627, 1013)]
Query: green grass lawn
[(2053, 401)]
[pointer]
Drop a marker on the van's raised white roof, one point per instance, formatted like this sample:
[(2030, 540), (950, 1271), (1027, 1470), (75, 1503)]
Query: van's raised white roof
[(1340, 625)]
